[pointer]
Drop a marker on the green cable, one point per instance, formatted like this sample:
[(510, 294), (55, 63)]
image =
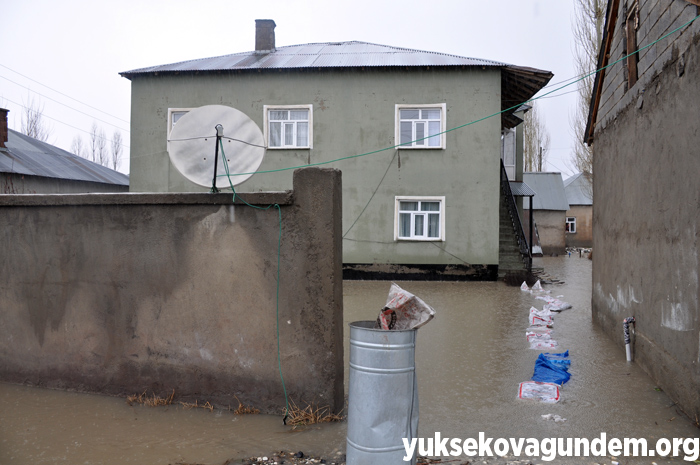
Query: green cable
[(478, 120), (279, 252)]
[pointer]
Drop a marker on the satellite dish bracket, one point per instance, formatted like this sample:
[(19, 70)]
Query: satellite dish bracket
[(219, 134)]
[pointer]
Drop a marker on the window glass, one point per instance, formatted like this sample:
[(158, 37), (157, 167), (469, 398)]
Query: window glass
[(431, 114), (430, 206), (302, 134), (420, 133), (275, 134), (409, 206), (434, 130), (288, 134), (278, 114), (405, 225), (406, 132), (418, 228), (433, 225), (299, 114), (410, 114)]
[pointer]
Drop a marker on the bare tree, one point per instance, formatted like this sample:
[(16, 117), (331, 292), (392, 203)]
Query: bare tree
[(535, 140), (588, 33), (116, 149), (97, 149), (33, 123), (76, 146)]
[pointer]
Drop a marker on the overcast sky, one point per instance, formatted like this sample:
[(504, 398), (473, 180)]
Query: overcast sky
[(67, 55)]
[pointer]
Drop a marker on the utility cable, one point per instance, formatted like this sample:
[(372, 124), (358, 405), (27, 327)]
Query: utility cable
[(65, 95), (480, 119), (67, 106), (279, 253)]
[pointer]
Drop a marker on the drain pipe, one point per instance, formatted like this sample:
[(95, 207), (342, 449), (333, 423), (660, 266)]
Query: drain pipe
[(626, 328)]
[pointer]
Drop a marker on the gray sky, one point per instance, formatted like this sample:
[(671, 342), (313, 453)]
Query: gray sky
[(67, 55)]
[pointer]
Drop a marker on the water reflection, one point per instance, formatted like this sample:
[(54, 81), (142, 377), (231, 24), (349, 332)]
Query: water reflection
[(469, 360)]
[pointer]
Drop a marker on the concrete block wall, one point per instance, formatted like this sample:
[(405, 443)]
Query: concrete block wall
[(646, 219), (121, 293), (656, 19)]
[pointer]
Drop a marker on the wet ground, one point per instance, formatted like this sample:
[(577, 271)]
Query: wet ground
[(469, 362)]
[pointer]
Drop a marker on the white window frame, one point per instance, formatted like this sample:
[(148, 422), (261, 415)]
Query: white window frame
[(411, 198), (172, 112), (266, 126), (571, 221), (413, 146)]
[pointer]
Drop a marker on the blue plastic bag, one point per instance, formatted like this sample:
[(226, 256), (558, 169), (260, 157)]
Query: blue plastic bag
[(552, 368)]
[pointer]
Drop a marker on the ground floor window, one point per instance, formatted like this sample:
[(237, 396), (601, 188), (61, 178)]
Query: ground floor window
[(420, 218), (571, 224)]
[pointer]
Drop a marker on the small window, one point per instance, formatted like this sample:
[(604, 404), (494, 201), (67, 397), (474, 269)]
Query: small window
[(420, 126), (571, 224), (420, 218), (631, 27), (288, 126), (174, 114)]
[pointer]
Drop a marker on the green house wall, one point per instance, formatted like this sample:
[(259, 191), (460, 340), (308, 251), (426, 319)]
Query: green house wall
[(353, 113)]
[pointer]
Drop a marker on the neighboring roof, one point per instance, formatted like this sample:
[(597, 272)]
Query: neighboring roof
[(579, 190), (519, 83), (549, 188), (520, 189), (28, 156)]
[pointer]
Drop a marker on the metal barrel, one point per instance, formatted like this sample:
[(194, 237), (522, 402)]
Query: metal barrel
[(382, 395)]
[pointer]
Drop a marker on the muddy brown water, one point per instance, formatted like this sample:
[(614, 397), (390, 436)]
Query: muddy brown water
[(469, 361)]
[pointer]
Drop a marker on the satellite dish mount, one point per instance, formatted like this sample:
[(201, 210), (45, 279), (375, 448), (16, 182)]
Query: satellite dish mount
[(219, 134)]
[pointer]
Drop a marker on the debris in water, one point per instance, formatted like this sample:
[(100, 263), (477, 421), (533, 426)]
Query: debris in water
[(311, 415)]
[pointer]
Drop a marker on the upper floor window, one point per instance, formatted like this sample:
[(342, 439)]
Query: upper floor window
[(571, 224), (420, 126), (288, 126), (420, 218)]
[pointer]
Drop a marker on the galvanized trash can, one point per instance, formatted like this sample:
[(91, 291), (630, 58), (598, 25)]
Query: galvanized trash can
[(382, 395)]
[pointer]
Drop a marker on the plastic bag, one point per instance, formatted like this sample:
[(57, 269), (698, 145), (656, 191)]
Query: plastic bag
[(536, 320), (550, 369), (540, 344), (523, 286), (544, 392), (537, 286), (403, 310), (543, 313)]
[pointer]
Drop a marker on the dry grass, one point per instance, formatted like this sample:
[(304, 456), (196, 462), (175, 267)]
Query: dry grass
[(189, 405), (154, 401), (311, 415), (245, 410)]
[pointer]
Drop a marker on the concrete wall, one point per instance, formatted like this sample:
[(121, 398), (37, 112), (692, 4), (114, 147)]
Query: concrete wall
[(647, 216), (119, 293), (583, 237), (354, 113), (11, 183)]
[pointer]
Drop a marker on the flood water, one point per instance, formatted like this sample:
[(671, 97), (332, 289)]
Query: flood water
[(469, 361)]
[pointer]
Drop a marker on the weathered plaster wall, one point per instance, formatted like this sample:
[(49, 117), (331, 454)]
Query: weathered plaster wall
[(550, 227), (119, 293), (11, 183), (645, 226), (354, 113), (583, 237)]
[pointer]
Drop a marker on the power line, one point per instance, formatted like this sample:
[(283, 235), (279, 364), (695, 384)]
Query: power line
[(65, 95), (61, 122), (68, 106)]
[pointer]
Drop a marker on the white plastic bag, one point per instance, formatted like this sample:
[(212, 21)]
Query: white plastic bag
[(523, 287), (403, 310), (534, 390)]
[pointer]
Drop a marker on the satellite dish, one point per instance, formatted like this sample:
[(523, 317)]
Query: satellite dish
[(194, 148)]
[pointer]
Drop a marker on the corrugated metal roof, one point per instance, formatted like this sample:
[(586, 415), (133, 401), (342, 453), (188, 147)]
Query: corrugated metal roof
[(29, 156), (549, 188), (579, 190), (518, 83), (519, 188), (321, 55)]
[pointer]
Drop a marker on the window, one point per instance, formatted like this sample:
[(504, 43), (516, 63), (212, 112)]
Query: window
[(420, 126), (571, 224), (420, 218), (174, 114), (288, 126)]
